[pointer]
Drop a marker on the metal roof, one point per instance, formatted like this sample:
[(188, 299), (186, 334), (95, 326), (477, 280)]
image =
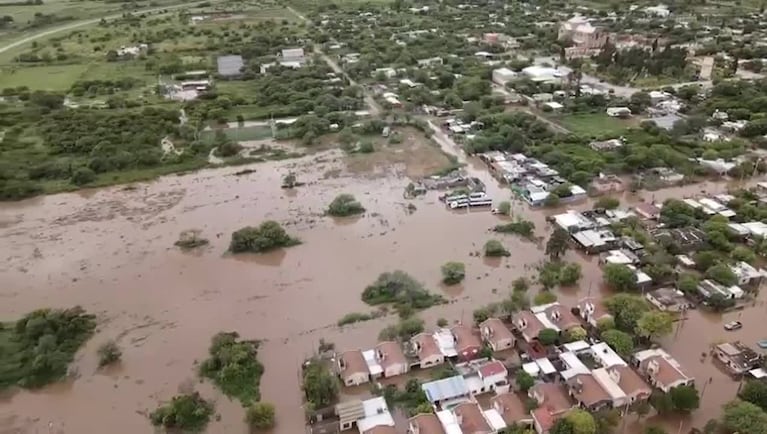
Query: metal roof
[(446, 388), (350, 411), (229, 65)]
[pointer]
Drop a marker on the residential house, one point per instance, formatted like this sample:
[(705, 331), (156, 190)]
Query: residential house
[(708, 288), (631, 383), (606, 145), (467, 344), (391, 358), (292, 57), (595, 240), (501, 76), (349, 412), (582, 33), (606, 356), (377, 419), (737, 358), (687, 239), (647, 211), (618, 112), (446, 391), (556, 316), (589, 394), (528, 325), (471, 419), (668, 300), (592, 310), (494, 377), (748, 275), (425, 423), (495, 333), (609, 382), (352, 368), (426, 350), (553, 402), (512, 409), (661, 370)]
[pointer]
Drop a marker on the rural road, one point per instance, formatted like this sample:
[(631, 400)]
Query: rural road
[(77, 24)]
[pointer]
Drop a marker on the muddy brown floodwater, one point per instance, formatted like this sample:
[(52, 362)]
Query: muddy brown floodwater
[(111, 251)]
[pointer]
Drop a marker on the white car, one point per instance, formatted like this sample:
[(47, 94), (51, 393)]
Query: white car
[(733, 325)]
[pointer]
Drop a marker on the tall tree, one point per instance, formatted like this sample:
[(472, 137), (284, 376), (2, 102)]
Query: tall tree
[(557, 244), (652, 325), (744, 417)]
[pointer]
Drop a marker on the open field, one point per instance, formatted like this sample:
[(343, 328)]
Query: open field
[(595, 124), (54, 78)]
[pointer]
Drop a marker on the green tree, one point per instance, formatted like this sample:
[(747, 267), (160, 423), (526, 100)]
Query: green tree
[(233, 366), (260, 416), (548, 336), (744, 417), (494, 248), (183, 412), (504, 207), (661, 402), (652, 325), (582, 421), (562, 426), (685, 398), (605, 324), (722, 274), (557, 244), (319, 384), (619, 277), (267, 236), (520, 284), (401, 289), (453, 272), (755, 392), (442, 322), (82, 176), (344, 205), (607, 202), (626, 310), (620, 341), (524, 380), (577, 334), (570, 274), (743, 253), (687, 283)]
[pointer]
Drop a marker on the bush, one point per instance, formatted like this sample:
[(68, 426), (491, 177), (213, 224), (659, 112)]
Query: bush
[(267, 236), (260, 416), (494, 248), (453, 273), (403, 330), (607, 202), (183, 412), (520, 227), (37, 349), (722, 274), (354, 317), (399, 288), (548, 336), (524, 380), (570, 274), (190, 239), (109, 353), (442, 322), (544, 297), (83, 175), (319, 384), (619, 277), (233, 367), (344, 205), (504, 207)]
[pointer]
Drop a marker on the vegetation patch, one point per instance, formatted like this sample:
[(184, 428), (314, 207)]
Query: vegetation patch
[(555, 273), (319, 384), (269, 235), (191, 239), (233, 367), (494, 249), (355, 317), (37, 349), (521, 227), (109, 352), (184, 412), (260, 416), (453, 273), (345, 205), (400, 289)]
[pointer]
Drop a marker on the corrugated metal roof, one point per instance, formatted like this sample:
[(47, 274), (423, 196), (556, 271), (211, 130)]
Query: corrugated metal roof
[(350, 411), (446, 388), (229, 65)]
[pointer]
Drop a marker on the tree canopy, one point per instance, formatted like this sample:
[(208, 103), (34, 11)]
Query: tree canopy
[(233, 367), (267, 236)]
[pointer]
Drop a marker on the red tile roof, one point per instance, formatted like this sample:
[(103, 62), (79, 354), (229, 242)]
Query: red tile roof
[(427, 423), (491, 368), (354, 363), (427, 344), (498, 330), (390, 353), (511, 407), (472, 419), (465, 338)]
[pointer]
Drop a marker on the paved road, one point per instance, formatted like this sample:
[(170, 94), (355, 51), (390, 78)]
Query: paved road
[(77, 24), (375, 109)]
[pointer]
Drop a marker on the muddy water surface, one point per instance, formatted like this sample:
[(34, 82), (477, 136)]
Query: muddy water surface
[(111, 251)]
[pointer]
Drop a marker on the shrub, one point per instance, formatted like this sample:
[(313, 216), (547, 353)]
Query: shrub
[(401, 289), (109, 353), (548, 336), (544, 297), (442, 322), (233, 367), (453, 273), (570, 274), (354, 317), (267, 236), (494, 248), (83, 175), (190, 239), (520, 227), (607, 202), (38, 348), (183, 412), (260, 416), (504, 207), (344, 205)]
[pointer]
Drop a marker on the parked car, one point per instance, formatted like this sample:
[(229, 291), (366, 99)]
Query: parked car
[(733, 325), (762, 343)]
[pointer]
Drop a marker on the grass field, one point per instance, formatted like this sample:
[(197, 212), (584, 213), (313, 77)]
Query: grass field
[(595, 124), (240, 134), (56, 77)]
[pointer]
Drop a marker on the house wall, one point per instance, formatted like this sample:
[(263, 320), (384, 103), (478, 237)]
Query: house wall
[(357, 378), (432, 361), (394, 370), (502, 344)]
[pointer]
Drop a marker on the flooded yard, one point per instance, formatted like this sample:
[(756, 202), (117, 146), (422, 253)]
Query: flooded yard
[(111, 251)]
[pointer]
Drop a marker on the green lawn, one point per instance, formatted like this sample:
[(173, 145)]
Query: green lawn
[(595, 124), (241, 134), (56, 77)]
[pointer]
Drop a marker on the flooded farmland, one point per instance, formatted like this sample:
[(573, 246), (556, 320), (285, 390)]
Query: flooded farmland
[(111, 251)]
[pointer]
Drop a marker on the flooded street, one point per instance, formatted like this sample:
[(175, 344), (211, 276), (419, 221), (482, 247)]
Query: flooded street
[(111, 251)]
